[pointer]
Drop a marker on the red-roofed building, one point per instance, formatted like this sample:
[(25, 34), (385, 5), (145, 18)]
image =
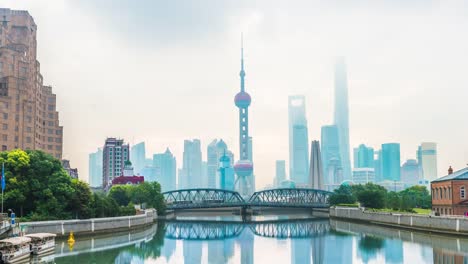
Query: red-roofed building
[(128, 177), (449, 193)]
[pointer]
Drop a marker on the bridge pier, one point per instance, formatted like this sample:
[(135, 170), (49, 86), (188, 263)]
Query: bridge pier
[(246, 213)]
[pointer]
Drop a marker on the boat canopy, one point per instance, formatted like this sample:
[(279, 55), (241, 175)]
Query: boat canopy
[(15, 241), (40, 235)]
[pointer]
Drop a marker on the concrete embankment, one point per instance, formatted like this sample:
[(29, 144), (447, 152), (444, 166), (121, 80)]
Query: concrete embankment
[(438, 224), (90, 226)]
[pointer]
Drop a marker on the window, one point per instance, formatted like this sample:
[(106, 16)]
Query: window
[(5, 126), (50, 139), (462, 192), (51, 115), (28, 139), (49, 147), (29, 119), (58, 140), (58, 148), (50, 123), (51, 107), (5, 115), (29, 129), (58, 132), (16, 138), (4, 148), (50, 131), (29, 109), (5, 137)]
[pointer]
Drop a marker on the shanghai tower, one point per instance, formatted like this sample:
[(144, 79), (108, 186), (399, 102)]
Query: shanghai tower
[(342, 115), (244, 167)]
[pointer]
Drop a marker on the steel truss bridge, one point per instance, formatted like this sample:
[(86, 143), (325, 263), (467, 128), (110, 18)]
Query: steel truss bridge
[(216, 230), (218, 198)]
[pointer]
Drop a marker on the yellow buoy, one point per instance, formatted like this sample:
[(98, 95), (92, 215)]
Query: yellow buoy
[(71, 238)]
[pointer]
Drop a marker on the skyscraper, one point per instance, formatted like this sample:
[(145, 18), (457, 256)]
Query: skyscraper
[(138, 157), (215, 150), (165, 163), (331, 161), (427, 155), (363, 157), (280, 173), (226, 173), (191, 165), (390, 155), (316, 170), (29, 115), (244, 167), (298, 141), (410, 172), (95, 169), (342, 115), (115, 154)]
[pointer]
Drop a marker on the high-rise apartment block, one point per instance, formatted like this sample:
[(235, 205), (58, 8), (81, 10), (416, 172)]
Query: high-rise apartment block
[(363, 175), (115, 155), (29, 119), (95, 169), (363, 157), (298, 141), (410, 172)]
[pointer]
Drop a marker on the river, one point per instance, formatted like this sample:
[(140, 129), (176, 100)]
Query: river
[(307, 240)]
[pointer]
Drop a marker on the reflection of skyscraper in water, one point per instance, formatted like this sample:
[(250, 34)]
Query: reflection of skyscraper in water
[(336, 254), (246, 244), (301, 250), (192, 251), (168, 249), (393, 251), (318, 249), (220, 251)]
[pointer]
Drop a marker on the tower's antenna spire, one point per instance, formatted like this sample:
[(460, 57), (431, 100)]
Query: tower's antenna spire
[(242, 72)]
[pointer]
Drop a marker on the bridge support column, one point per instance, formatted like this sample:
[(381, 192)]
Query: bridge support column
[(246, 214)]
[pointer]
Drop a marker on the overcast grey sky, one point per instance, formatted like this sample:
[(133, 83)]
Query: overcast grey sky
[(165, 71)]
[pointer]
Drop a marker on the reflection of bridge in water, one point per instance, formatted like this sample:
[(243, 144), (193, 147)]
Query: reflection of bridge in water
[(217, 198), (219, 230)]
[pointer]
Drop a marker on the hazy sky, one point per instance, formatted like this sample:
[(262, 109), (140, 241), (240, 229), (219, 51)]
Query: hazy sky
[(165, 71)]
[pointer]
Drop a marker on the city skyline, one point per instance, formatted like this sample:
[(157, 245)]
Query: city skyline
[(371, 87)]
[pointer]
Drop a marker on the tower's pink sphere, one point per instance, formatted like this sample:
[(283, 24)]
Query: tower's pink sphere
[(242, 99), (243, 168)]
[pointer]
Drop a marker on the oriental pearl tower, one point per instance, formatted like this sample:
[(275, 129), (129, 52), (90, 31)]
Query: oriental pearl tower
[(244, 167)]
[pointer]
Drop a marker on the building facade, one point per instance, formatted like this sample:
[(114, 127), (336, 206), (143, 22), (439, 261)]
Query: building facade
[(280, 173), (449, 193), (342, 115), (29, 118), (115, 154), (410, 172), (138, 157), (427, 156), (316, 170), (298, 141), (165, 163), (390, 160), (73, 172), (128, 176), (331, 160), (191, 176), (363, 175), (363, 157), (95, 169)]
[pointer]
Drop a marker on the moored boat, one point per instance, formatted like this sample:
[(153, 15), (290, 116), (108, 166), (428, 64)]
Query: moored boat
[(42, 242), (15, 249)]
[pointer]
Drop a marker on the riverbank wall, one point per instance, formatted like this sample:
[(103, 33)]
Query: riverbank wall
[(90, 226), (427, 223)]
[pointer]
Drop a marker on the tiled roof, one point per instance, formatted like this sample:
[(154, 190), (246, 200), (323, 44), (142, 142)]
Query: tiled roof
[(456, 175)]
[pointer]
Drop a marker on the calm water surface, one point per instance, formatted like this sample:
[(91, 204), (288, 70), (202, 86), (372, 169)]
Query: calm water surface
[(265, 241)]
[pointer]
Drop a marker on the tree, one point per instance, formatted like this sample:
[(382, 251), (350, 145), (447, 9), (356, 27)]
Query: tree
[(121, 194), (371, 195), (80, 202), (393, 200), (342, 195)]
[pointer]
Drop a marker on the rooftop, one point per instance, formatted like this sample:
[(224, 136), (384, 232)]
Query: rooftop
[(456, 175)]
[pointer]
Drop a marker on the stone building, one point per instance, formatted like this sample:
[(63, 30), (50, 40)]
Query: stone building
[(449, 193), (28, 115)]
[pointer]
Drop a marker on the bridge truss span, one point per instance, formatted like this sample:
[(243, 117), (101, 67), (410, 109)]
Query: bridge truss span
[(290, 197), (202, 198)]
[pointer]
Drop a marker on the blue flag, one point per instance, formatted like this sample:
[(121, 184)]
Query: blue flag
[(3, 177)]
